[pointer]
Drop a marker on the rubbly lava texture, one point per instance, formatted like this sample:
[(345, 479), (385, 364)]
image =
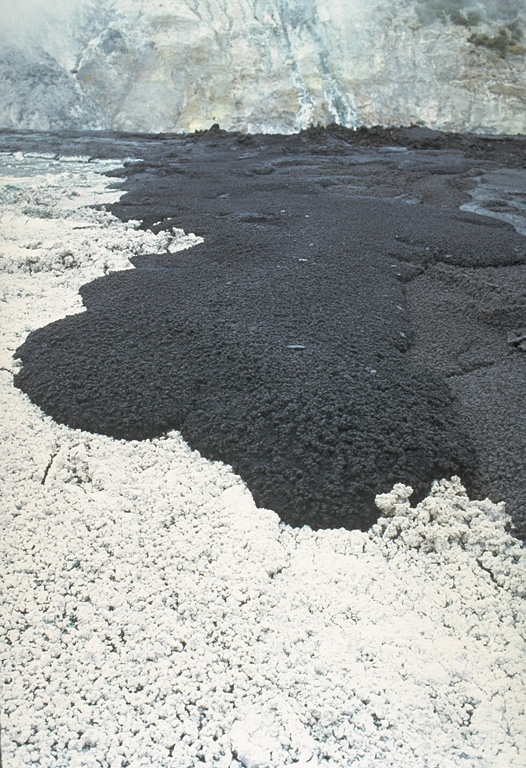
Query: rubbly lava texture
[(279, 345)]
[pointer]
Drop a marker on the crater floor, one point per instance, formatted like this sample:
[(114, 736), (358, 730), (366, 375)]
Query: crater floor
[(343, 326)]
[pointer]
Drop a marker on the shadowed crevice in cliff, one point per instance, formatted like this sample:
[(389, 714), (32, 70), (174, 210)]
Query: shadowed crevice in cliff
[(280, 344)]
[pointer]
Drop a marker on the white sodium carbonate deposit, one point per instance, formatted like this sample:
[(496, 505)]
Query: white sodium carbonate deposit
[(154, 617)]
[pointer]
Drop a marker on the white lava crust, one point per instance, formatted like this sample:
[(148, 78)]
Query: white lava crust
[(153, 616)]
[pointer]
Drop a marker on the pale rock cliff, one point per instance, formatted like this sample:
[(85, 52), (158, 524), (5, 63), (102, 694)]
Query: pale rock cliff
[(37, 93), (257, 66)]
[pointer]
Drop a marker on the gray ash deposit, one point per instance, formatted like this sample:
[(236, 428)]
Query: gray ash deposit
[(288, 344)]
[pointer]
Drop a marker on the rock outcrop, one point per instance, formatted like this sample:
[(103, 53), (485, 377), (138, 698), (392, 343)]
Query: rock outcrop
[(269, 66)]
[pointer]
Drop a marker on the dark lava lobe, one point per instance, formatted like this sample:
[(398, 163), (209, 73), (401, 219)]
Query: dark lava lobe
[(280, 344)]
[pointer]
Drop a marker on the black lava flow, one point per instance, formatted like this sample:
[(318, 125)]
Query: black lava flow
[(279, 345)]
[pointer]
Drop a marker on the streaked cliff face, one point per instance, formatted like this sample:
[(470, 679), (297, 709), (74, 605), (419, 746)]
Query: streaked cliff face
[(258, 66)]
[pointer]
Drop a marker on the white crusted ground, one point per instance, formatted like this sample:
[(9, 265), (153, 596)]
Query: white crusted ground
[(154, 617)]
